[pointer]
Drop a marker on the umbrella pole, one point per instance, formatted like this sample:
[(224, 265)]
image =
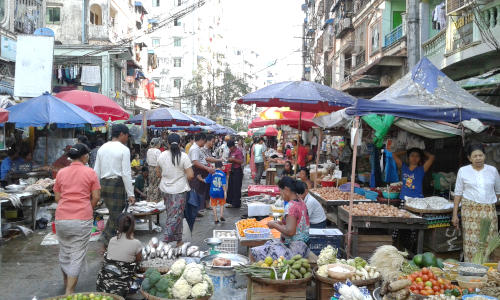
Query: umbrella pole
[(46, 145), (320, 140), (351, 194), (298, 145)]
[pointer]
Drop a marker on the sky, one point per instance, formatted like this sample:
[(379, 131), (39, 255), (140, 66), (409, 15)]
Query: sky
[(272, 28)]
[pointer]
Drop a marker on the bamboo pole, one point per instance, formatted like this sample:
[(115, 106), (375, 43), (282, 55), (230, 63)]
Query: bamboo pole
[(351, 194), (298, 145), (320, 140)]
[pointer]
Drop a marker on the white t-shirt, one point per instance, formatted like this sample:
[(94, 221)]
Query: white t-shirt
[(113, 161), (478, 186), (123, 249), (152, 157), (314, 141), (314, 209), (173, 178)]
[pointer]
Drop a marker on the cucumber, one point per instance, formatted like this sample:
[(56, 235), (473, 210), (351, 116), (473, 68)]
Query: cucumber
[(297, 257), (306, 265), (303, 270), (296, 273), (304, 260)]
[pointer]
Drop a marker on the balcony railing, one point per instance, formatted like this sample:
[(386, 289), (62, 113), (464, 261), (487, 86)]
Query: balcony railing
[(435, 45), (360, 59), (395, 35)]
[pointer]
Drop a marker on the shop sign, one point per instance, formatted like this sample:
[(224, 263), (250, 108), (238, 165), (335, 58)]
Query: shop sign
[(462, 34), (8, 48)]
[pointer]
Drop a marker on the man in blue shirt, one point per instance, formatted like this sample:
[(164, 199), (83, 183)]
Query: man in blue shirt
[(7, 164), (218, 190)]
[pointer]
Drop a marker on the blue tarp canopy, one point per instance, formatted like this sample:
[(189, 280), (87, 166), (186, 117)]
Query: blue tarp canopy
[(47, 109), (204, 120), (426, 93), (219, 129)]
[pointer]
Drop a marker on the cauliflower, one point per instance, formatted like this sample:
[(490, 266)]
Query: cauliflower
[(181, 289), (328, 255), (178, 267), (323, 271), (193, 275), (200, 289), (208, 280), (194, 265)]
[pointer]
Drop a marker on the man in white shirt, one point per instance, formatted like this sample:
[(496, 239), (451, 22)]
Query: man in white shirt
[(112, 166), (200, 167), (259, 160)]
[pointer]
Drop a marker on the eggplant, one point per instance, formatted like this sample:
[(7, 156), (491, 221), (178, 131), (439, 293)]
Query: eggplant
[(192, 250), (184, 248)]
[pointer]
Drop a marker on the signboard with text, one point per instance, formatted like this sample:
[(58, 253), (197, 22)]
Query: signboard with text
[(462, 33)]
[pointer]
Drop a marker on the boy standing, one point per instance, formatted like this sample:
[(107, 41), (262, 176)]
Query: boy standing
[(218, 190)]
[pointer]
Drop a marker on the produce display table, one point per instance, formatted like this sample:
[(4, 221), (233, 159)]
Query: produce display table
[(331, 206), (254, 190), (415, 223), (267, 289), (148, 216)]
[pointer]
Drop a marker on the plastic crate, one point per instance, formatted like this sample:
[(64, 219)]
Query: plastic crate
[(320, 238), (371, 195), (257, 233), (229, 244)]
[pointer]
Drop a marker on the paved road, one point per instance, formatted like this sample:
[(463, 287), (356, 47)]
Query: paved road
[(28, 269)]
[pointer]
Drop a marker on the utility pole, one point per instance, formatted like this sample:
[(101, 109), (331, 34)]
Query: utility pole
[(413, 33)]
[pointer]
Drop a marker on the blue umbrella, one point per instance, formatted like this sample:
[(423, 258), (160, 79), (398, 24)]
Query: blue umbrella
[(47, 109), (204, 120), (164, 117), (300, 96)]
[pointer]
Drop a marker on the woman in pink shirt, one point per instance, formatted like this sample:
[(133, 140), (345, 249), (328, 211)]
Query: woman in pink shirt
[(77, 192)]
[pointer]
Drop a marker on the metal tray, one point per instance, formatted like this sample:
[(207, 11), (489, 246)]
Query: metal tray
[(236, 260)]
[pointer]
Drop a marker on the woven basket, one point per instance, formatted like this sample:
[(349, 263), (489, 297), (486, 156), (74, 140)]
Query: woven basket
[(162, 269), (115, 297), (329, 280), (281, 282), (151, 297)]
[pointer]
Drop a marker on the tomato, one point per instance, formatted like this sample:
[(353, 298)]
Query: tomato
[(425, 271), (436, 288), (418, 279), (440, 280), (434, 282), (424, 293), (425, 277), (432, 276), (448, 286)]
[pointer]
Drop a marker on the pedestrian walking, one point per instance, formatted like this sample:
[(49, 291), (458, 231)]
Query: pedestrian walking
[(113, 169), (175, 169), (77, 192), (218, 190), (152, 155), (259, 159), (200, 167), (236, 175)]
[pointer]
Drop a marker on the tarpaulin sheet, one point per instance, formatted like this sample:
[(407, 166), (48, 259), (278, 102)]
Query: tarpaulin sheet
[(426, 93)]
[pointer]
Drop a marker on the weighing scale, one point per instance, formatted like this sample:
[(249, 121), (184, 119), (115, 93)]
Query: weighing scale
[(213, 243)]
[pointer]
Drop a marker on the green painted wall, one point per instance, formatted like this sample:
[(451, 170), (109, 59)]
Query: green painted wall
[(386, 20)]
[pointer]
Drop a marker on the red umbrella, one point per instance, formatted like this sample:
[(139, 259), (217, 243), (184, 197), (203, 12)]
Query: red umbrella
[(95, 103), (4, 115), (305, 124), (268, 131)]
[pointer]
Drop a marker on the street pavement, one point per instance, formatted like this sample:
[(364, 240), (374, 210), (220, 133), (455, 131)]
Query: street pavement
[(28, 269)]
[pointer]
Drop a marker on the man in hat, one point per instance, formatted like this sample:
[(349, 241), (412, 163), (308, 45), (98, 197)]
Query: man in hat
[(112, 166)]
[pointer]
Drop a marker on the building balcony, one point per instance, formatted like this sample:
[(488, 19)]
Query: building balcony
[(343, 27), (360, 60), (102, 33), (394, 36), (436, 45)]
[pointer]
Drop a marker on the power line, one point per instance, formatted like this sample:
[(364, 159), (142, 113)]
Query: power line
[(160, 25)]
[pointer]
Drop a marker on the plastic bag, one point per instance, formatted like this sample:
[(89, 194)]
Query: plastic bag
[(381, 125), (43, 213)]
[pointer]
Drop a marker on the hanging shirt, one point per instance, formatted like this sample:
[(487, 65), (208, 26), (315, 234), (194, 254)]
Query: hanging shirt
[(412, 182)]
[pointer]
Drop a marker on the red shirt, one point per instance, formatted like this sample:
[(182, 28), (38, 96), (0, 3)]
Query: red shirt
[(302, 156), (238, 155), (75, 183)]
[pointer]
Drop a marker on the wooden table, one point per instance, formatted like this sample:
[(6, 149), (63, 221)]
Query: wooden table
[(416, 223), (331, 207), (148, 216)]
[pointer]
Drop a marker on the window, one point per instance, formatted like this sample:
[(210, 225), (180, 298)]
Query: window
[(177, 41), (177, 22), (177, 83), (178, 2), (53, 15), (155, 42), (156, 3), (2, 9), (177, 62), (375, 38), (95, 14)]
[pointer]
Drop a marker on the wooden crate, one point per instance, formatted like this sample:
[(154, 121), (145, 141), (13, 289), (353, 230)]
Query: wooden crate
[(324, 291), (367, 243), (261, 291)]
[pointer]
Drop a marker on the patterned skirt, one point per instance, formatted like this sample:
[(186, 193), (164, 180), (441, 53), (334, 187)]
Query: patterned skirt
[(472, 213), (74, 237), (275, 248), (115, 277), (175, 204), (154, 193)]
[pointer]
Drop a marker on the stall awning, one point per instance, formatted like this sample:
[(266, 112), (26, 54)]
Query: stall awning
[(138, 3), (491, 78)]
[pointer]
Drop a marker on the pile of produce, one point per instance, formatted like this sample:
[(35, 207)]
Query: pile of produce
[(363, 270), (280, 269), (160, 252), (427, 259), (183, 281), (390, 262), (486, 245), (241, 225), (91, 296), (328, 255), (377, 210), (429, 203), (332, 193), (492, 287), (426, 283), (349, 291)]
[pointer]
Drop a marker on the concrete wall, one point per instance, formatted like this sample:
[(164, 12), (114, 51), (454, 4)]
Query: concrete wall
[(69, 30)]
